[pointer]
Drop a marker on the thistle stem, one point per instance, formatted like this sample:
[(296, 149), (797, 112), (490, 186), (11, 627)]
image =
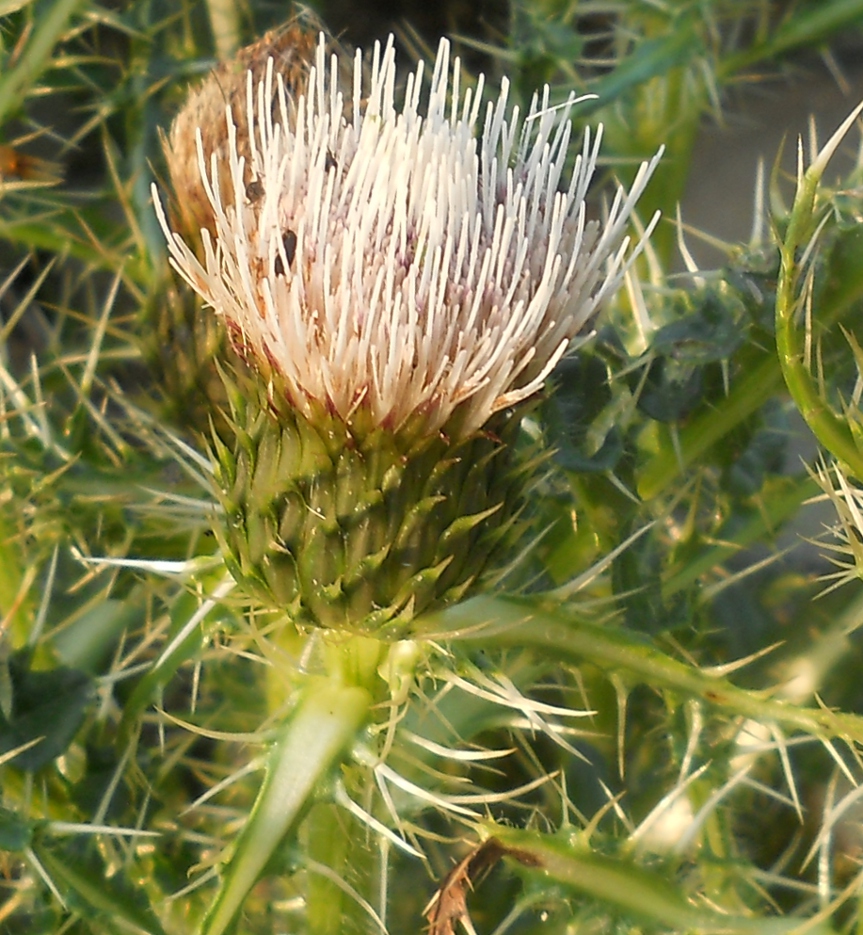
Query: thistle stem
[(323, 724), (329, 844), (631, 888), (832, 431), (225, 23), (506, 623)]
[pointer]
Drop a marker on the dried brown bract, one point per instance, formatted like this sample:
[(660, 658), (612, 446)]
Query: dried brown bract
[(449, 903), (292, 48)]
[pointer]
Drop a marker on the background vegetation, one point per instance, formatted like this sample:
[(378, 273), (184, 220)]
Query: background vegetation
[(659, 729)]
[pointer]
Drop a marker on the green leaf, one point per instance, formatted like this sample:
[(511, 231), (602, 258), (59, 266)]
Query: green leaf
[(82, 879), (16, 834), (651, 58), (809, 26), (581, 392), (88, 641), (50, 24), (49, 704)]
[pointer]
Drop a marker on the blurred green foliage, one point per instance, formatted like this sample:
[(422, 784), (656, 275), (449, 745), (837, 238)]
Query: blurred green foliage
[(679, 716)]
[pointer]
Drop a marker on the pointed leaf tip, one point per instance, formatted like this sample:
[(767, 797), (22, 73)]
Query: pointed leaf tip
[(816, 170)]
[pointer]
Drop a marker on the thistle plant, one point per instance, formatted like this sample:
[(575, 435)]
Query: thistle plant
[(501, 628), (393, 327)]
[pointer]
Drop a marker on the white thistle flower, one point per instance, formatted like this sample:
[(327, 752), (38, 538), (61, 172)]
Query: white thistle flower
[(383, 258)]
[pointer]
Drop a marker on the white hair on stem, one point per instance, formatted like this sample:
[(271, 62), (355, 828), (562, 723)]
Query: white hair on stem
[(394, 260)]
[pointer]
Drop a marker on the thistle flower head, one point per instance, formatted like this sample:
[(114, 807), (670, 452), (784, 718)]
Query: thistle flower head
[(396, 267), (378, 259)]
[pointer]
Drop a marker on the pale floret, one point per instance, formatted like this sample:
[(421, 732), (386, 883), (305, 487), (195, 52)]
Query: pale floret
[(384, 257)]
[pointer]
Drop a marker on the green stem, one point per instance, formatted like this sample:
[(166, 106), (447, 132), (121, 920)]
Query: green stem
[(35, 58), (325, 721), (623, 884), (832, 431), (225, 23), (509, 623), (329, 836)]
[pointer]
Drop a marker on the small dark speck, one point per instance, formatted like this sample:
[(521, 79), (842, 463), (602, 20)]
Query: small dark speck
[(255, 190), (289, 242), (330, 162)]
